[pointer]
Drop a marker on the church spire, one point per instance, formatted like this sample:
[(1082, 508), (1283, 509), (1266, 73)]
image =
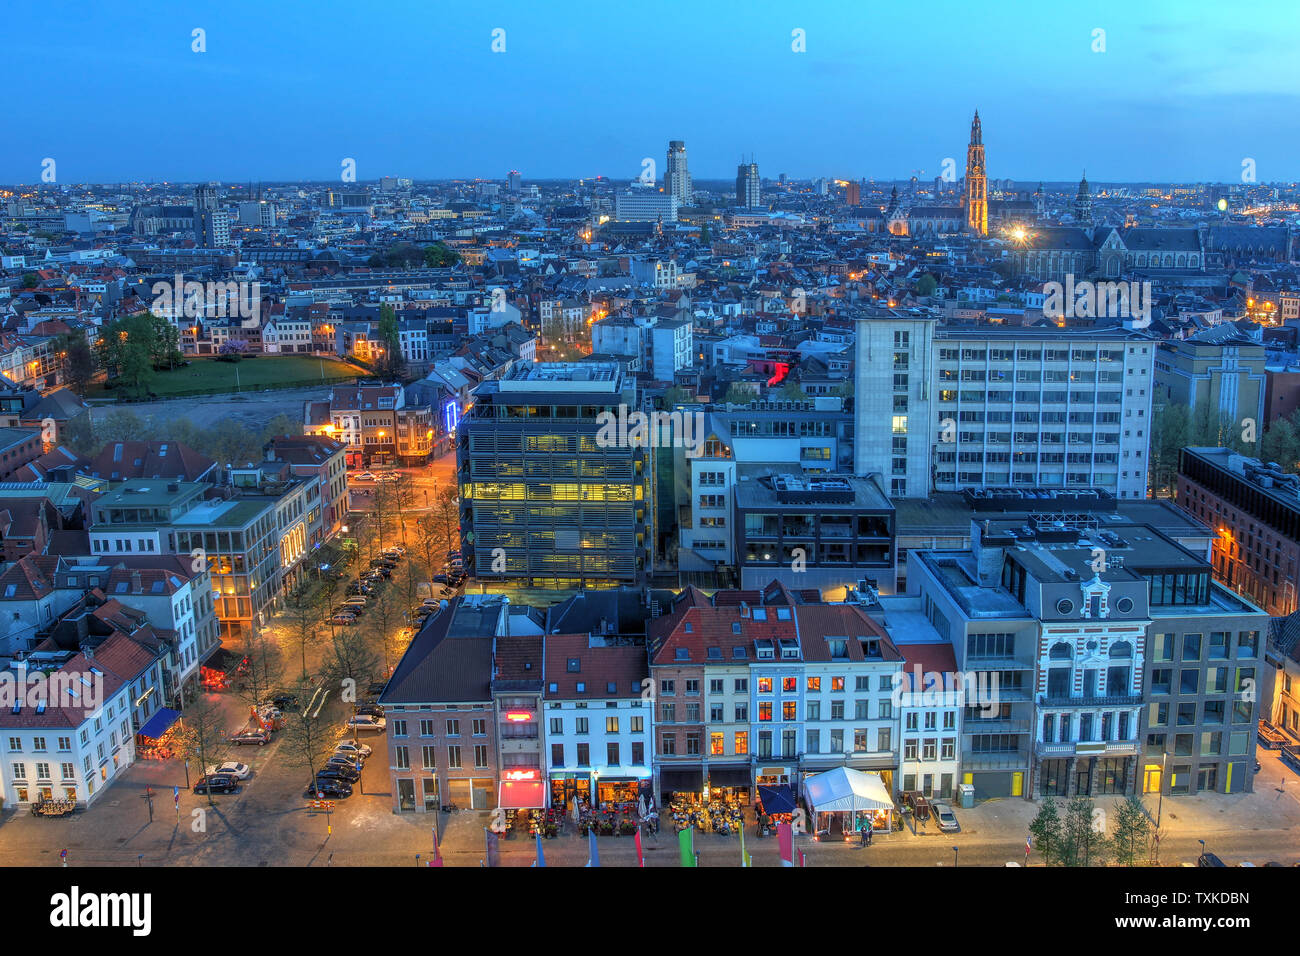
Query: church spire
[(977, 189)]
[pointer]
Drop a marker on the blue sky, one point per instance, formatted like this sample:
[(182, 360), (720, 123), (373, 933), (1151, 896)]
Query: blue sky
[(1185, 89)]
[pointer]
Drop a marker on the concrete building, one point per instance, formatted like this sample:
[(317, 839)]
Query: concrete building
[(677, 178), (646, 205), (1217, 373), (954, 407)]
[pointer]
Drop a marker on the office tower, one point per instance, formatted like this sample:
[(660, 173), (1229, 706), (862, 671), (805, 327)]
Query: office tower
[(977, 186), (853, 194), (945, 408), (211, 222), (549, 498), (514, 182), (677, 179), (749, 193), (645, 205)]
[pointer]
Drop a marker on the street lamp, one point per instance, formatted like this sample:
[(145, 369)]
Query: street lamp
[(1160, 803)]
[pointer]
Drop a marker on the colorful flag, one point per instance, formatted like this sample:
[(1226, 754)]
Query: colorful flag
[(593, 853), (1028, 846), (785, 841), (493, 847), (640, 857), (541, 856), (686, 842)]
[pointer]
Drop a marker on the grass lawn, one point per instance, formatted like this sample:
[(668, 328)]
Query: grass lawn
[(208, 376)]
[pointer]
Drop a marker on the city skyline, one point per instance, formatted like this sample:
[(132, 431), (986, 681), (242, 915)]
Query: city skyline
[(428, 101)]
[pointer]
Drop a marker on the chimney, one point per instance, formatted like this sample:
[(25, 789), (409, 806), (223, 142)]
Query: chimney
[(136, 586)]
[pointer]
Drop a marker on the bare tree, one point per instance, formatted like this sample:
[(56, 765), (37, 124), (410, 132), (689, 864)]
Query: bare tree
[(265, 668), (307, 734), (203, 735)]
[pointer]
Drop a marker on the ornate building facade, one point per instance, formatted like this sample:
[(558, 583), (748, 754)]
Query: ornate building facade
[(977, 182)]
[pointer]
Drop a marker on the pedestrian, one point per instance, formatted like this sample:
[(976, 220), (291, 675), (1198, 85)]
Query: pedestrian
[(868, 832)]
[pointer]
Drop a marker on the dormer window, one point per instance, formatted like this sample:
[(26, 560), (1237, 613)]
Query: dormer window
[(682, 654), (573, 665)]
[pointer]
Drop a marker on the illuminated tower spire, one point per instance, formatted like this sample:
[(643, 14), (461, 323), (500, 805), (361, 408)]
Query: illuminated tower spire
[(977, 185)]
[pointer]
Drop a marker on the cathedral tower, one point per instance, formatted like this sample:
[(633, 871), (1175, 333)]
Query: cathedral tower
[(977, 183), (1083, 203)]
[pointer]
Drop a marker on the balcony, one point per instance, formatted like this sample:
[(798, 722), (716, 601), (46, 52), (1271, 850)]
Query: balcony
[(1086, 748), (1002, 760), (1118, 700)]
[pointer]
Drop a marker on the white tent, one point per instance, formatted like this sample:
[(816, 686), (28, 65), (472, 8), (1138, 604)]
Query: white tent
[(845, 790)]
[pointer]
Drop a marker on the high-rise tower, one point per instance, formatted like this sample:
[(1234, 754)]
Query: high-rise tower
[(677, 180), (749, 190), (977, 182)]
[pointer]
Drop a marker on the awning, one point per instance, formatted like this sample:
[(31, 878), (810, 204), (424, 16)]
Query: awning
[(521, 795), (159, 723), (777, 799), (844, 789), (682, 780), (733, 776)]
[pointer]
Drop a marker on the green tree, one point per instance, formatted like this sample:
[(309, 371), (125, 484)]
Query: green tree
[(1170, 432), (1132, 831), (1281, 443), (1047, 832), (78, 361), (390, 364), (926, 285), (792, 391), (1082, 844), (739, 393), (676, 395), (438, 256), (31, 280)]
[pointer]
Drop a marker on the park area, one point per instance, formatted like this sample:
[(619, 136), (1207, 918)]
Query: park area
[(209, 376)]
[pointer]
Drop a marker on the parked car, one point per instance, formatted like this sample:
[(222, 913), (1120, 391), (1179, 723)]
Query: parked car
[(216, 783), (356, 601), (352, 762), (343, 620), (440, 579), (387, 476), (337, 772), (259, 737), (359, 587), (328, 788), (383, 571), (397, 549), (374, 710), (284, 701), (1208, 859), (347, 748), (366, 722), (366, 476), (946, 818), (232, 768)]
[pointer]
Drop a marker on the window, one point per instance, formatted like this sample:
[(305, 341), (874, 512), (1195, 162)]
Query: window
[(453, 729), (399, 728), (402, 758), (580, 725), (765, 710), (453, 758), (611, 754), (584, 755), (429, 757)]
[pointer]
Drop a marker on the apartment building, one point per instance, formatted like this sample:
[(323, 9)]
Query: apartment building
[(442, 719), (374, 423), (1253, 510), (599, 720), (952, 407)]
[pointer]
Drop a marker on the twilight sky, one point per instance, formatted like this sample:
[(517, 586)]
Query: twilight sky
[(1185, 90)]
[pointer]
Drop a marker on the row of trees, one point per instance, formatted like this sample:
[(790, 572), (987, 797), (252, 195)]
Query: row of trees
[(407, 255), (227, 442), (1176, 426), (1078, 835)]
